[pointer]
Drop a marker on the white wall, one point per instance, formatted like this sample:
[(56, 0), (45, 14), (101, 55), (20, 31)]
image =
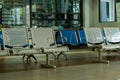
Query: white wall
[(86, 13)]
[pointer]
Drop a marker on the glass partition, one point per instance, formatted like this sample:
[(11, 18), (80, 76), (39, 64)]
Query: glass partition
[(0, 15), (67, 13), (13, 13), (118, 11), (42, 13)]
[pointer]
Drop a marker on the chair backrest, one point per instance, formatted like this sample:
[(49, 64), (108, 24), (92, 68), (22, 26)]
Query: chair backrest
[(94, 36), (112, 35), (58, 38), (42, 37), (15, 36), (1, 41), (67, 37), (81, 36)]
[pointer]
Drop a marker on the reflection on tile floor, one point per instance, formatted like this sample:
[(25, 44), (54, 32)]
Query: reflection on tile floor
[(78, 67)]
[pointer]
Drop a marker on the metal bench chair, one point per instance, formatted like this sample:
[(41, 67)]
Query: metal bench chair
[(43, 40), (16, 42), (95, 38), (112, 39)]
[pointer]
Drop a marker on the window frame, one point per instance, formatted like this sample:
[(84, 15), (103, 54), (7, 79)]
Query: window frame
[(114, 13)]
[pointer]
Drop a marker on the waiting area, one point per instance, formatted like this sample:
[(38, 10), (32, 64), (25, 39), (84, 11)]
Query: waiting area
[(59, 39)]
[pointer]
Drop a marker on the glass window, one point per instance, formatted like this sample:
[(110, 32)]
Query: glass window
[(42, 13), (107, 10), (118, 11), (67, 13), (0, 17), (13, 13)]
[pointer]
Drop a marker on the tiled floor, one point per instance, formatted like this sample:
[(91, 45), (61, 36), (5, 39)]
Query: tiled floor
[(78, 67)]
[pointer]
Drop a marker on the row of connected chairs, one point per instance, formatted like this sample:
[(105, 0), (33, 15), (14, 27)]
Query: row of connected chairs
[(107, 38), (103, 39), (30, 41)]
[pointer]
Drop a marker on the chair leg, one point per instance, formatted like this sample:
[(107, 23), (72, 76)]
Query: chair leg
[(23, 58), (100, 60), (118, 51), (54, 55), (48, 65), (31, 56), (62, 53)]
